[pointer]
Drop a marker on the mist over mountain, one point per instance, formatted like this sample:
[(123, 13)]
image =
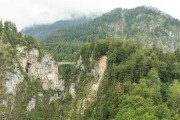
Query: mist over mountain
[(146, 25), (42, 31)]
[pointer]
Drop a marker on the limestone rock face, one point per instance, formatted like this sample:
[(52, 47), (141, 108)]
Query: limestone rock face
[(46, 69), (24, 56), (12, 79), (54, 98), (80, 63), (31, 104), (72, 90)]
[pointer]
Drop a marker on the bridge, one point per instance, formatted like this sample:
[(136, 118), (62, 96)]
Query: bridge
[(66, 63)]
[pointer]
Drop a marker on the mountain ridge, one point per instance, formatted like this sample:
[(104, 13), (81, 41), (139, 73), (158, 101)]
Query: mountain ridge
[(144, 24), (112, 79), (41, 31)]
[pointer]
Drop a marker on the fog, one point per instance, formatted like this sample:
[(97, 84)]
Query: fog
[(28, 12)]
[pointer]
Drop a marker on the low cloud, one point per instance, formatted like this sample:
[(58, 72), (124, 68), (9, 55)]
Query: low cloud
[(28, 12)]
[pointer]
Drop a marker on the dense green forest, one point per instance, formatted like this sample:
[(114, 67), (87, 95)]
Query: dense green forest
[(139, 83)]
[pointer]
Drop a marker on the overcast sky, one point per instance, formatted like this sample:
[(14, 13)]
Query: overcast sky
[(29, 12)]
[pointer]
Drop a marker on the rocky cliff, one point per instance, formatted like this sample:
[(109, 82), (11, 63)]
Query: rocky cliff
[(46, 70), (29, 78), (33, 80)]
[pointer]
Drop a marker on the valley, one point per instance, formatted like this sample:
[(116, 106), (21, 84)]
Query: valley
[(123, 64)]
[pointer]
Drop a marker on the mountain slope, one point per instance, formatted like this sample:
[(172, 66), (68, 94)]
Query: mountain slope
[(41, 31), (28, 79), (112, 79), (118, 80), (146, 25)]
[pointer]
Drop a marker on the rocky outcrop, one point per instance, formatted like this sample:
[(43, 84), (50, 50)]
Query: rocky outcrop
[(46, 69), (72, 90), (31, 104), (80, 63), (26, 63), (54, 98), (12, 79)]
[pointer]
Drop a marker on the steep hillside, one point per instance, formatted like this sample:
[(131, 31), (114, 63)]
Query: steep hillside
[(111, 80), (118, 80), (34, 86), (29, 80), (137, 83), (41, 31), (145, 25)]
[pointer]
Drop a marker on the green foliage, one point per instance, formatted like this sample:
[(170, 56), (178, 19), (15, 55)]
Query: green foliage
[(86, 52), (177, 53), (62, 50), (139, 83), (9, 39), (67, 98), (44, 111), (30, 42), (101, 48), (66, 71), (136, 83), (10, 34), (145, 25), (174, 98), (1, 27), (136, 107)]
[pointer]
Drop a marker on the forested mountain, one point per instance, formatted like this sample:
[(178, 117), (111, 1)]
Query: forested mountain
[(114, 69), (41, 31), (145, 25), (112, 79), (138, 83)]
